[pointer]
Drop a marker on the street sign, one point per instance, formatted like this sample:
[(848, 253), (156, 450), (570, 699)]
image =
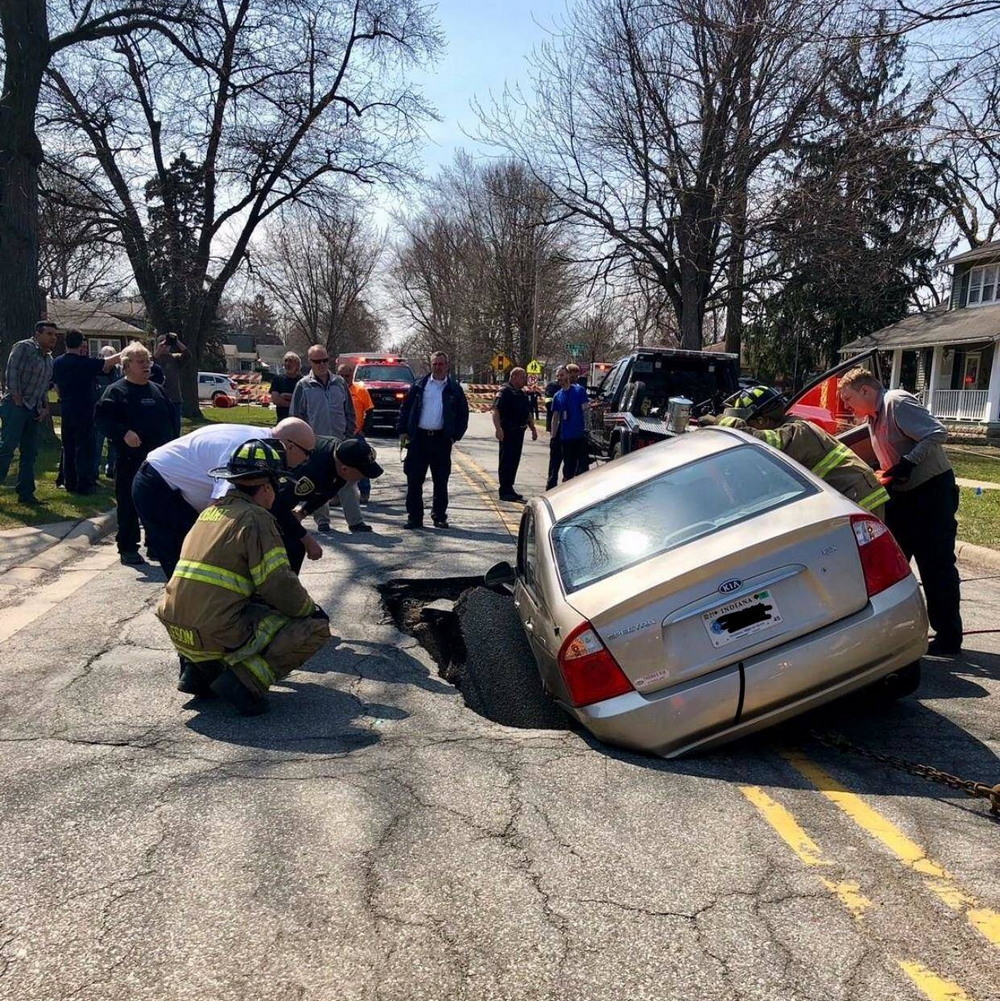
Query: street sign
[(576, 349), (534, 367), (500, 363)]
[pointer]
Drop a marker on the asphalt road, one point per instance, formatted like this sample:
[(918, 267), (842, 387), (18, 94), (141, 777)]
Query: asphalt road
[(373, 838)]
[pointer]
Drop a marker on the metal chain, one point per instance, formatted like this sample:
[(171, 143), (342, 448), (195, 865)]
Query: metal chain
[(977, 790)]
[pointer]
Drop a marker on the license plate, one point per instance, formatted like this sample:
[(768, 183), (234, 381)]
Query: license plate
[(745, 616)]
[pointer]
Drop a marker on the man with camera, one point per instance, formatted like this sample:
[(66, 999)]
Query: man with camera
[(171, 355)]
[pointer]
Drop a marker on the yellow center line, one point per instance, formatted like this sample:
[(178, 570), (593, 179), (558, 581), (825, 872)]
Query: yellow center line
[(477, 477), (937, 879), (804, 847), (933, 987), (930, 984)]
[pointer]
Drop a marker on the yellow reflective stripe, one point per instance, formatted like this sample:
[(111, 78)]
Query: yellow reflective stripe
[(205, 573), (728, 422), (212, 514), (259, 668), (835, 457), (772, 438), (875, 499), (307, 608), (266, 630), (273, 560)]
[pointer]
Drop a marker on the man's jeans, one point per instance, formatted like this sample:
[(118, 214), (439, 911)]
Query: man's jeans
[(19, 432)]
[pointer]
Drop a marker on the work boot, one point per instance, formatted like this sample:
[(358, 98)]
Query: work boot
[(131, 558), (196, 679), (229, 687)]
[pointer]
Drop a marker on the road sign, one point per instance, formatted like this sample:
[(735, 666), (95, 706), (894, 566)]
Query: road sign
[(576, 349), (500, 363), (534, 367)]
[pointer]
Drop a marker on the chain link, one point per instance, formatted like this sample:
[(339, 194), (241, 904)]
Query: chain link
[(977, 790)]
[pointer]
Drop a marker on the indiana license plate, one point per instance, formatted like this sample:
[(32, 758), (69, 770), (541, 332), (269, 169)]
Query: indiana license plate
[(753, 613)]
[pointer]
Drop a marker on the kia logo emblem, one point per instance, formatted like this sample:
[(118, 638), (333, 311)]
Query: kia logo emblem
[(728, 586)]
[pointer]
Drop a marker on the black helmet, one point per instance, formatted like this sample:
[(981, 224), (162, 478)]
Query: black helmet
[(757, 401), (254, 458)]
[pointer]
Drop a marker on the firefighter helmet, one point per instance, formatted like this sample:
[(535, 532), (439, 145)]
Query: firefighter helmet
[(253, 459), (757, 401)]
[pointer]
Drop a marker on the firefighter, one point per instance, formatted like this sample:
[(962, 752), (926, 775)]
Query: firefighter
[(760, 411), (234, 610)]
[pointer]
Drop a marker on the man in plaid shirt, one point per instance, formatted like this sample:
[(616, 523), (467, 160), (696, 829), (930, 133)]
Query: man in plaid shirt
[(25, 404)]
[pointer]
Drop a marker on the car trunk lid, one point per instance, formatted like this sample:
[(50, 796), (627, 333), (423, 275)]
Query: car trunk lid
[(712, 611)]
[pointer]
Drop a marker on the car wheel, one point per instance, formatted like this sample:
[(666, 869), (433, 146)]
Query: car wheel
[(617, 451), (899, 684)]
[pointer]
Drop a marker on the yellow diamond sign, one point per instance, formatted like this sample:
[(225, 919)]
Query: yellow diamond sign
[(534, 367)]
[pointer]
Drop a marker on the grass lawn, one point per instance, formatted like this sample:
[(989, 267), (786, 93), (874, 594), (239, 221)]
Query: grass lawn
[(55, 504), (979, 517), (975, 465), (58, 505)]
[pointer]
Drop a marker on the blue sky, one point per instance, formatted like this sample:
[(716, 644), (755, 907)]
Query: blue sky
[(486, 47)]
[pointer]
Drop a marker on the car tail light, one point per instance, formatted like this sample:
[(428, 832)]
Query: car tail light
[(590, 672), (882, 560)]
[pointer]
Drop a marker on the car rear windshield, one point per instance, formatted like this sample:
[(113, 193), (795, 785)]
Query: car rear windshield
[(383, 373), (670, 510)]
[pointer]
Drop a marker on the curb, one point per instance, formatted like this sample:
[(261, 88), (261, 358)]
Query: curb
[(978, 554), (84, 534)]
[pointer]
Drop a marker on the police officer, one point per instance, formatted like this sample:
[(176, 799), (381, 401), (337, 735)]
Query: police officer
[(760, 411), (329, 465), (511, 418), (234, 610)]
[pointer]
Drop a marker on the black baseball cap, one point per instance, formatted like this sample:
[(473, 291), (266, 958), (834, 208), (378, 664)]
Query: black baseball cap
[(359, 455)]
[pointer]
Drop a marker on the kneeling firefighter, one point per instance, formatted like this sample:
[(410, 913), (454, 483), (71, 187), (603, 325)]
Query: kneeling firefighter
[(760, 411), (236, 613)]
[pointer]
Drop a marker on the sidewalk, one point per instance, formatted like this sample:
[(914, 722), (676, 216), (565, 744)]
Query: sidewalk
[(984, 484), (43, 547)]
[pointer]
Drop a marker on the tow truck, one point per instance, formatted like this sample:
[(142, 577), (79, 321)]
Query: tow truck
[(388, 379)]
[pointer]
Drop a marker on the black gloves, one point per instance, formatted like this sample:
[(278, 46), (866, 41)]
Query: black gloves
[(707, 421), (900, 473)]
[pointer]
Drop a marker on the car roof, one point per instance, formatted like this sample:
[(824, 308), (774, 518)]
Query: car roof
[(637, 467)]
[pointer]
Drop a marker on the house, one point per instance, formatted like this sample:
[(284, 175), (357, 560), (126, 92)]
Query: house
[(96, 322), (241, 353), (948, 356)]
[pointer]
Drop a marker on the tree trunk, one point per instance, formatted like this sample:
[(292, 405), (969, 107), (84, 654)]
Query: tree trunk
[(26, 48)]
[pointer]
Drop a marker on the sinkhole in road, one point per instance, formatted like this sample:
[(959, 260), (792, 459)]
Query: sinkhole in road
[(474, 635)]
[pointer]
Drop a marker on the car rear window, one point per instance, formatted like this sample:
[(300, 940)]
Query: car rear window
[(383, 373), (700, 379), (670, 510)]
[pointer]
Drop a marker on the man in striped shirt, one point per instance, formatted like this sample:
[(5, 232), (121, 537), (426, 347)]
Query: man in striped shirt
[(25, 405)]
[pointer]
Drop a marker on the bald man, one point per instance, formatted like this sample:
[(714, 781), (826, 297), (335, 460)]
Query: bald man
[(173, 486), (512, 416)]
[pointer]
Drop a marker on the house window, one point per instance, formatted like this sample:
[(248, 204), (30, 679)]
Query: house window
[(983, 285)]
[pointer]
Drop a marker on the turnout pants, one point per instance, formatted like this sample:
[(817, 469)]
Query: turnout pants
[(922, 520), (165, 514), (510, 457), (277, 645), (428, 450)]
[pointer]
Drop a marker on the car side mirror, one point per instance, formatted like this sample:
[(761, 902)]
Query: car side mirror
[(499, 574)]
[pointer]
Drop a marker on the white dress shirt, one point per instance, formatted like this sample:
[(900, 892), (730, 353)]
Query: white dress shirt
[(432, 405)]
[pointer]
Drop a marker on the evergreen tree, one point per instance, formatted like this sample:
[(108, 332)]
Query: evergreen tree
[(853, 231)]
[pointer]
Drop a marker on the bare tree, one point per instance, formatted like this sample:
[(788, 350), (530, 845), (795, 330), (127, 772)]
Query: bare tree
[(320, 269), (34, 33), (650, 119), (485, 266), (280, 101), (79, 255)]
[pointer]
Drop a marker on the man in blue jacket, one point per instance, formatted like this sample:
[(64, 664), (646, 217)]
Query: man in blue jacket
[(433, 417)]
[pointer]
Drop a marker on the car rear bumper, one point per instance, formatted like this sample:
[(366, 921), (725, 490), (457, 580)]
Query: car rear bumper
[(889, 633)]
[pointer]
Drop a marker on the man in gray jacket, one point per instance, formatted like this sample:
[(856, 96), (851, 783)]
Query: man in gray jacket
[(923, 496), (323, 400)]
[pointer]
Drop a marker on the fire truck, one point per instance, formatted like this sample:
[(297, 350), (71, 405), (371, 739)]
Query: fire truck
[(388, 379)]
